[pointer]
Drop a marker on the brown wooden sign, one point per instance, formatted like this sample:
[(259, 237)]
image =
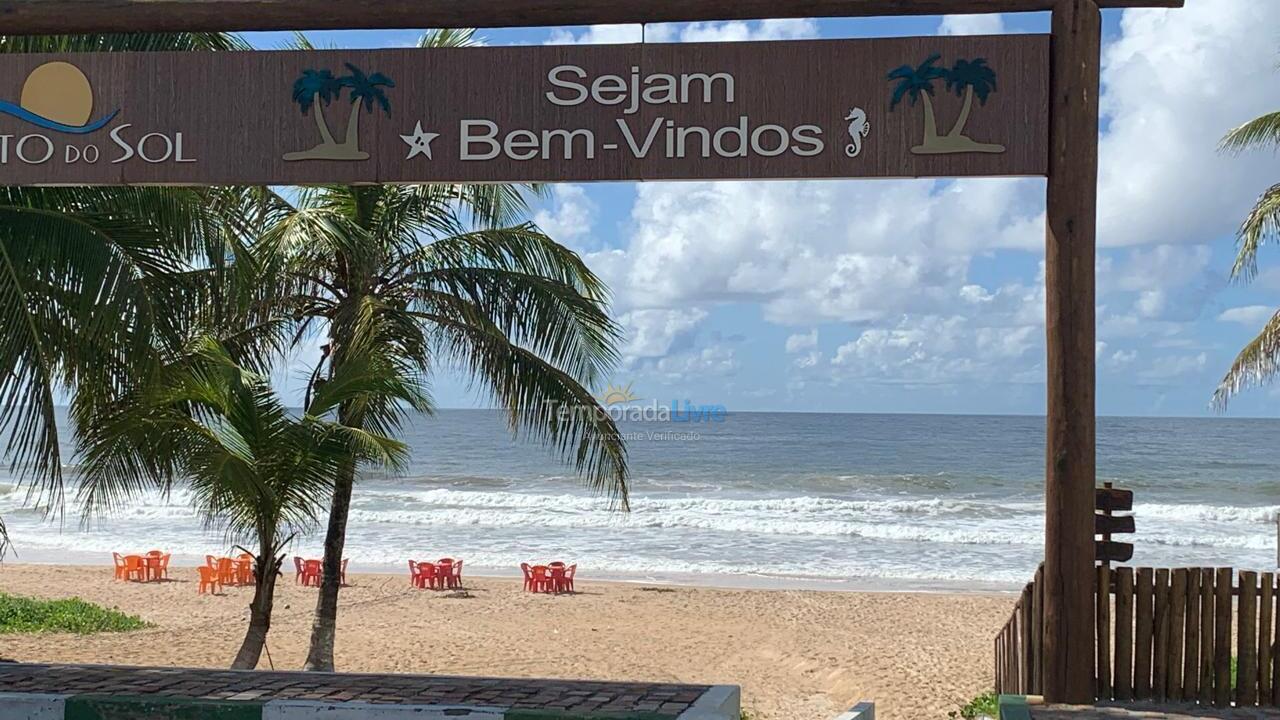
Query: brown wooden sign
[(1113, 499), (1109, 552), (1113, 525), (898, 107)]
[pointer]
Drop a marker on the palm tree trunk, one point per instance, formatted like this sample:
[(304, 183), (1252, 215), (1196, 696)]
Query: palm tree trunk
[(353, 127), (324, 126), (930, 120), (267, 565), (964, 114), (324, 627)]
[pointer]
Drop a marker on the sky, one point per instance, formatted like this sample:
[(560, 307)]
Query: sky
[(928, 295)]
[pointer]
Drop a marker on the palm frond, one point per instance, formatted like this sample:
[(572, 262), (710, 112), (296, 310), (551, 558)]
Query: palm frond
[(1259, 132), (1262, 226), (1255, 366)]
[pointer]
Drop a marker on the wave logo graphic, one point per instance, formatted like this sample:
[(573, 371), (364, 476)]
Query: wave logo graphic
[(57, 96)]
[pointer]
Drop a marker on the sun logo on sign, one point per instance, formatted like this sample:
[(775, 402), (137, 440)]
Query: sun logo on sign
[(57, 96), (614, 395)]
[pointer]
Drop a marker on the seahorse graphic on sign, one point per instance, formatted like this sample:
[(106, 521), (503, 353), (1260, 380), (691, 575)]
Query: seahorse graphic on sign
[(859, 129)]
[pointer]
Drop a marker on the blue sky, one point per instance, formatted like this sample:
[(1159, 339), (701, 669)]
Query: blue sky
[(927, 296)]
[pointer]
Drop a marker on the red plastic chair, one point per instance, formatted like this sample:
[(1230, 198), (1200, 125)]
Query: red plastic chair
[(426, 575), (568, 577), (457, 574), (528, 577), (540, 580), (342, 574), (297, 568), (413, 574), (555, 578), (444, 574), (311, 572)]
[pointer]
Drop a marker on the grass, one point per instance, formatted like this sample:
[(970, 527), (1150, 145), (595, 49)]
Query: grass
[(28, 615), (985, 705)]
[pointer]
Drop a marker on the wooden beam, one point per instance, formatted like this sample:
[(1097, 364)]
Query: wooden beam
[(40, 17), (1070, 242)]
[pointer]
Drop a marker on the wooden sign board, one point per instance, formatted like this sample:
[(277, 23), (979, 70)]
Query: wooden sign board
[(1113, 500), (1113, 524), (1109, 552), (896, 107)]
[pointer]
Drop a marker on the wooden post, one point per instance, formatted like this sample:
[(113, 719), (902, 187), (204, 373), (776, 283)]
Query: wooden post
[(1247, 640), (1103, 609), (1070, 241), (1177, 623), (1191, 655), (1208, 615), (1222, 639), (1144, 627), (1124, 634)]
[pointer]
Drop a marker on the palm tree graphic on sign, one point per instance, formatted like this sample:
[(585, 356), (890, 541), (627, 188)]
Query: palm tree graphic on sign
[(314, 90), (967, 79)]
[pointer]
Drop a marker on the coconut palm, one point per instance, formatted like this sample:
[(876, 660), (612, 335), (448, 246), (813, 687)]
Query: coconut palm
[(311, 89), (366, 91), (970, 78), (86, 276), (446, 276), (251, 467), (916, 83), (1259, 361)]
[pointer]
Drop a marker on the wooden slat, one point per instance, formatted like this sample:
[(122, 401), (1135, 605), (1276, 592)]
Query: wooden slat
[(1102, 631), (1124, 634), (1222, 639), (1144, 632), (1247, 641), (1266, 611), (1191, 646), (1026, 660), (1208, 595), (36, 17), (1177, 620), (999, 671), (1037, 634), (1160, 653)]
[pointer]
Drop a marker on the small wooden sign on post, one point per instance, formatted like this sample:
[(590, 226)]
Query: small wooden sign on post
[(1107, 500)]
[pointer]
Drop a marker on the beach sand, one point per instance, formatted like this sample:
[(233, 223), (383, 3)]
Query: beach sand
[(798, 654)]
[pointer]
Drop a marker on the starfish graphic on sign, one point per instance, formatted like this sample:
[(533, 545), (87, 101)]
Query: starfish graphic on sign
[(419, 142)]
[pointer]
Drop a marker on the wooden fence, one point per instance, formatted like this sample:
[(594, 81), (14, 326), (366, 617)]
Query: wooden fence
[(1163, 635)]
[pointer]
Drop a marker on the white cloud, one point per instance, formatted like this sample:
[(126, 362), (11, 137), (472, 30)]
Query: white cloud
[(735, 31), (986, 24), (1174, 366), (1167, 103), (570, 217), (655, 333), (802, 341), (1254, 316)]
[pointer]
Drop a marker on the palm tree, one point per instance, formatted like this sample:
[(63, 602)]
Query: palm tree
[(446, 276), (1259, 361), (917, 83), (365, 90), (86, 276), (311, 89), (251, 467), (970, 78)]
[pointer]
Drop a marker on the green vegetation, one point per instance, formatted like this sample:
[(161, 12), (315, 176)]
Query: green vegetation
[(1259, 361), (985, 705), (28, 615)]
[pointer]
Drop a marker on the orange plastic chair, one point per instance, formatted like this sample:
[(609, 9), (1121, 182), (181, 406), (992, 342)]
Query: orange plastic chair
[(208, 579), (311, 571), (244, 569), (226, 571), (135, 568), (162, 572), (118, 559)]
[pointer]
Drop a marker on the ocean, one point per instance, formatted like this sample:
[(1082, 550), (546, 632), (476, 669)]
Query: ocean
[(840, 501)]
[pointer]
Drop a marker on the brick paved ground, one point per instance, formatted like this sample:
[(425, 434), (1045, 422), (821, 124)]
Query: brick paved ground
[(1149, 712), (560, 696)]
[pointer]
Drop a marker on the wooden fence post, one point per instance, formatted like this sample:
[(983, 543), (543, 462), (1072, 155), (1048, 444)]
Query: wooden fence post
[(1144, 634), (1222, 639), (1247, 641), (1177, 621), (1102, 605), (1124, 634)]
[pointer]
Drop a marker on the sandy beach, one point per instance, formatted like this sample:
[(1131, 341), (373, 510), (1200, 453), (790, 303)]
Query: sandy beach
[(798, 654)]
